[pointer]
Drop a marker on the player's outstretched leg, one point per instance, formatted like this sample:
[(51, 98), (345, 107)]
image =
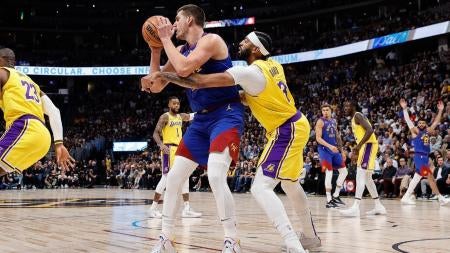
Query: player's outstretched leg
[(262, 190), (181, 170)]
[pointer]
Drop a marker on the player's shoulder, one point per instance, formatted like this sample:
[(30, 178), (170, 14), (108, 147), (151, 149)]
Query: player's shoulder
[(164, 116), (212, 38), (359, 115)]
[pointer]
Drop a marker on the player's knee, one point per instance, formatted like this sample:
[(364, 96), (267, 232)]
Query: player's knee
[(289, 186), (256, 189), (215, 179)]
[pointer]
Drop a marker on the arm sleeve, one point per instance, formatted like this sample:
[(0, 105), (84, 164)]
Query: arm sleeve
[(407, 119), (55, 118), (250, 78)]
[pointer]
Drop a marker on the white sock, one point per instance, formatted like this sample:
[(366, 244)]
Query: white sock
[(328, 196), (340, 181), (328, 185), (180, 171), (186, 205), (289, 236), (262, 191), (412, 185), (154, 205), (299, 201), (218, 164)]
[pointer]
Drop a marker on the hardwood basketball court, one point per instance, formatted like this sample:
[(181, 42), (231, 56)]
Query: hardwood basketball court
[(113, 220)]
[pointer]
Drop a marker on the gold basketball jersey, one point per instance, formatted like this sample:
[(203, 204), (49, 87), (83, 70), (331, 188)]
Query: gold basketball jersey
[(172, 132), (275, 104), (359, 131), (20, 96)]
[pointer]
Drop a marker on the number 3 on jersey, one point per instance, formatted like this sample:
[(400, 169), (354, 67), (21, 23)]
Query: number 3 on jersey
[(284, 89), (31, 93)]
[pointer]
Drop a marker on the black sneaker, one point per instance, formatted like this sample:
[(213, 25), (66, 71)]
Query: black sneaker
[(338, 201), (331, 204)]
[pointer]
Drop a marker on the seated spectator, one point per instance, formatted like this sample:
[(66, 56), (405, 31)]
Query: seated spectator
[(442, 176), (401, 178), (386, 180)]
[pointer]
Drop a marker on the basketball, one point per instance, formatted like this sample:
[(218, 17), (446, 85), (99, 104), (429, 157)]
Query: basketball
[(341, 99), (149, 32)]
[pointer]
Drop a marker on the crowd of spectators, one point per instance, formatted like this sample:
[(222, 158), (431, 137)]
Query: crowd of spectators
[(113, 111), (289, 36), (377, 86)]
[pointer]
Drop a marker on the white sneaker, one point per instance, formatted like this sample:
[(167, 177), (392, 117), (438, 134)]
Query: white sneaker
[(351, 212), (154, 213), (408, 200), (443, 201), (378, 210), (190, 213), (307, 243), (164, 246), (295, 250), (231, 246)]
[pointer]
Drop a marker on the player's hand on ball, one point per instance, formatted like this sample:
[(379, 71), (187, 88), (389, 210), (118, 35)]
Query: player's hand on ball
[(63, 158), (165, 28)]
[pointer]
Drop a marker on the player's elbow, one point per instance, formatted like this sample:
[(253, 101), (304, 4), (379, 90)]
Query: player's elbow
[(184, 72)]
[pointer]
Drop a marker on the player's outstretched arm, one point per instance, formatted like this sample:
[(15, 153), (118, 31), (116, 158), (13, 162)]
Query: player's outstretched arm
[(63, 158), (187, 116), (250, 78), (410, 124), (199, 81), (438, 117)]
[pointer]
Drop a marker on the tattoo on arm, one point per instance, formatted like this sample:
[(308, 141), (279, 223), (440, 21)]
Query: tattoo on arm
[(186, 82), (157, 133)]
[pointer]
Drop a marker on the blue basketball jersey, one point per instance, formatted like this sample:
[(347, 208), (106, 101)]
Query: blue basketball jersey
[(329, 131), (422, 142), (200, 99)]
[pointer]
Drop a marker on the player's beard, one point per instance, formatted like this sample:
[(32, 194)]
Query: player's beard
[(173, 110), (244, 53)]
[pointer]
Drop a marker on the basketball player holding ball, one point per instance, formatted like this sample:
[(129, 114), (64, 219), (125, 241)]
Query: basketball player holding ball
[(214, 135)]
